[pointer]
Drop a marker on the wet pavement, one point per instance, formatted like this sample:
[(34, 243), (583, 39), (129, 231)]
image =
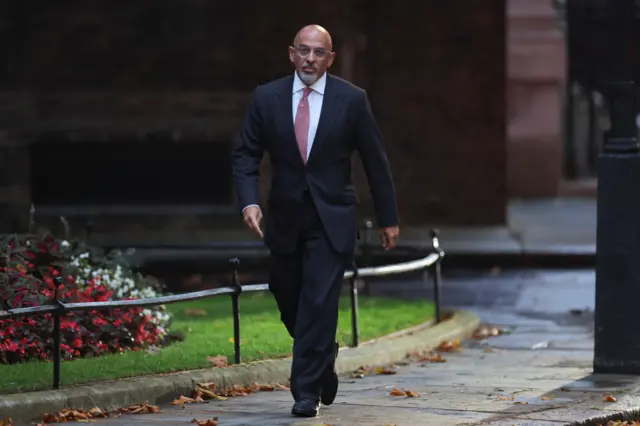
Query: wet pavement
[(539, 373)]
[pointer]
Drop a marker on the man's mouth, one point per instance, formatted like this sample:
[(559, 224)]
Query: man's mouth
[(308, 70)]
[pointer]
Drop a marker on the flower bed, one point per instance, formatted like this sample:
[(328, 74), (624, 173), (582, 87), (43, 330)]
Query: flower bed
[(30, 266)]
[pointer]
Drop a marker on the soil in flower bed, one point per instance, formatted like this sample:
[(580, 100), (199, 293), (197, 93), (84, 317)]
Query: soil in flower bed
[(208, 329)]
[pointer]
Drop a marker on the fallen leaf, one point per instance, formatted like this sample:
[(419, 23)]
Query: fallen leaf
[(546, 398), (488, 350), (6, 422), (609, 398), (95, 412), (237, 391), (219, 361), (207, 394), (485, 331), (446, 346), (434, 357), (140, 409), (195, 312), (426, 356), (505, 398), (385, 371), (262, 388), (207, 391), (70, 415), (407, 393), (185, 400), (521, 402), (210, 422), (397, 392), (360, 372)]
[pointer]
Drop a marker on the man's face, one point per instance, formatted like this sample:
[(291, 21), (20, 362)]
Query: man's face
[(311, 55)]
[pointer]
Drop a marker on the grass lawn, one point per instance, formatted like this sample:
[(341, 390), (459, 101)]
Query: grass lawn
[(262, 336)]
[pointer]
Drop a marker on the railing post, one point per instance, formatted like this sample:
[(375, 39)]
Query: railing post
[(437, 274), (235, 296), (355, 329), (57, 314)]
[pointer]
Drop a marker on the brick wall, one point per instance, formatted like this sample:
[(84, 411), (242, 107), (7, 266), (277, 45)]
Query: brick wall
[(439, 90), (88, 70)]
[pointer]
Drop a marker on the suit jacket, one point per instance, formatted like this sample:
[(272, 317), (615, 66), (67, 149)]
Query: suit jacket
[(346, 124)]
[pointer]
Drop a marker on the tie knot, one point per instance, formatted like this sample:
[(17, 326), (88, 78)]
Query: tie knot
[(306, 91)]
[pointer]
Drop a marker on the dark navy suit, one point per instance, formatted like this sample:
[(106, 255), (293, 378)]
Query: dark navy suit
[(310, 224)]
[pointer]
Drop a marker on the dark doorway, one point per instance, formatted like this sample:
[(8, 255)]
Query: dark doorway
[(152, 172)]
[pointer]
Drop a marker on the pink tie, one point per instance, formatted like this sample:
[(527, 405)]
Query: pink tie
[(301, 124)]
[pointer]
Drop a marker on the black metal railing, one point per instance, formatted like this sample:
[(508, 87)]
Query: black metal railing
[(58, 308)]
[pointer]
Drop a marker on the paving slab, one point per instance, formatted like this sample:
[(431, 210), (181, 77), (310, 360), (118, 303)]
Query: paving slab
[(472, 387)]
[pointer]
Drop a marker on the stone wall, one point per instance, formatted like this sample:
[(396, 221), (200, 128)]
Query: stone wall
[(90, 71)]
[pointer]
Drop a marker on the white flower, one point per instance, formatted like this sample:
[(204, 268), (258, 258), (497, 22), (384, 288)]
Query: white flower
[(123, 284)]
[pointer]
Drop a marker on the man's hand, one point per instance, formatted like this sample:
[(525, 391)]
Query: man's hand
[(389, 237), (252, 216)]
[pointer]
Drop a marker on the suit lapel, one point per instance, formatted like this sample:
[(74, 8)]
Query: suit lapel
[(328, 114), (284, 112)]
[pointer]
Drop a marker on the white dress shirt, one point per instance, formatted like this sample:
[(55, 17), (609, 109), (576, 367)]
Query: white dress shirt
[(315, 107)]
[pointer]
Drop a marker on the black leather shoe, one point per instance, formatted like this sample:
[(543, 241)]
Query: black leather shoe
[(305, 408), (330, 382)]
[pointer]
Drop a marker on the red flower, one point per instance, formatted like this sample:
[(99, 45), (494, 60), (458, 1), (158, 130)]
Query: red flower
[(82, 333)]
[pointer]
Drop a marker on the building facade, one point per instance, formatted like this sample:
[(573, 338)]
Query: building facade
[(124, 115)]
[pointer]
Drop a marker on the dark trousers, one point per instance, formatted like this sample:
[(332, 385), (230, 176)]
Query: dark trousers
[(306, 285)]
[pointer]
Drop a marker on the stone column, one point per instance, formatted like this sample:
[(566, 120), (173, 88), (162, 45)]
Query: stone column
[(536, 73)]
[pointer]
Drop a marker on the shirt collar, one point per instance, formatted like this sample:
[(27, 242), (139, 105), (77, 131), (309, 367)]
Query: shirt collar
[(318, 86)]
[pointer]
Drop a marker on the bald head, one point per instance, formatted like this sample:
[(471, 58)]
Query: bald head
[(312, 53), (314, 32)]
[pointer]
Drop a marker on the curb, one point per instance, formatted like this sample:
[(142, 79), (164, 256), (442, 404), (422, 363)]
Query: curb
[(628, 415), (160, 389)]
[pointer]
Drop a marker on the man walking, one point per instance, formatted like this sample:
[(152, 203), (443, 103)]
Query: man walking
[(310, 123)]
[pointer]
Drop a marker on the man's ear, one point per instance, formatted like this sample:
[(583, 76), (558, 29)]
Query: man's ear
[(292, 53), (332, 57)]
